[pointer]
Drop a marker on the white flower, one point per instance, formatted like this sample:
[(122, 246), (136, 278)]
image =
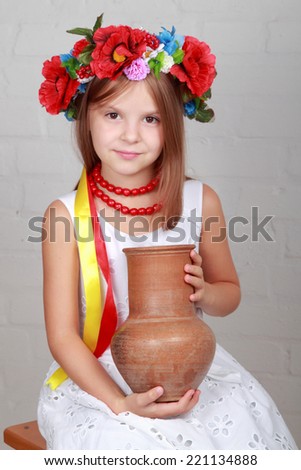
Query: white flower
[(151, 53), (168, 62), (84, 80)]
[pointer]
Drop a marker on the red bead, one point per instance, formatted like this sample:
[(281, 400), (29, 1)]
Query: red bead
[(105, 197), (134, 211), (95, 178), (149, 210), (143, 190)]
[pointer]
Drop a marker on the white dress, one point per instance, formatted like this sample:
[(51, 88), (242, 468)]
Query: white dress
[(234, 411)]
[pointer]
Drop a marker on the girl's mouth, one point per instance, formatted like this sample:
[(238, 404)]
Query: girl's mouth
[(127, 155)]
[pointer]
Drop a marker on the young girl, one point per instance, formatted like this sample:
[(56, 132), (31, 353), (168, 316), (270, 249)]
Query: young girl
[(128, 90)]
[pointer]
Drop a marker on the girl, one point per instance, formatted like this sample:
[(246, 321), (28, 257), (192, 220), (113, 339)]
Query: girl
[(127, 90)]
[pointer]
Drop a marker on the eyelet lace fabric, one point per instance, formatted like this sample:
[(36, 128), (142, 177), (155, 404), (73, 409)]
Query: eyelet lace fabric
[(234, 411)]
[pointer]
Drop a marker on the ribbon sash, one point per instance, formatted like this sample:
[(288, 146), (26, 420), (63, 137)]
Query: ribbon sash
[(101, 316)]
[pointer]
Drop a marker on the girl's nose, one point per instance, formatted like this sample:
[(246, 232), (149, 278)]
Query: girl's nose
[(130, 132)]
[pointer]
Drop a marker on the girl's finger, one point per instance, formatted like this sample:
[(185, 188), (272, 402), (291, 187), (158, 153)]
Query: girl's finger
[(194, 270), (196, 258), (175, 408), (146, 398), (194, 281)]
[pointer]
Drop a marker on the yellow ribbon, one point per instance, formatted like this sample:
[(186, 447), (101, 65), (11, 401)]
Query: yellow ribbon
[(90, 274)]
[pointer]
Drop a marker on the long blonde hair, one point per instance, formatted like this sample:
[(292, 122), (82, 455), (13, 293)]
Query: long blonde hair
[(171, 163)]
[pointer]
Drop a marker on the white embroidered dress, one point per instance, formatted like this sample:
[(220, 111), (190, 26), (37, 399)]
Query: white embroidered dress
[(234, 411)]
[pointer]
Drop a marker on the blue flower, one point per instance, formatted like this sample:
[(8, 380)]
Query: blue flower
[(190, 108), (65, 58), (82, 88), (171, 41)]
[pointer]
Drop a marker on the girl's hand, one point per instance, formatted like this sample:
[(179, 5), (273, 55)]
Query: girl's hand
[(194, 276), (144, 404)]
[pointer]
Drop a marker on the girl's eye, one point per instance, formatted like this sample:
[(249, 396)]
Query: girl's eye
[(152, 120), (112, 116)]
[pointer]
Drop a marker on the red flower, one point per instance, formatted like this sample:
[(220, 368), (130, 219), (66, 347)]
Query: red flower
[(57, 90), (79, 46), (116, 48), (198, 67)]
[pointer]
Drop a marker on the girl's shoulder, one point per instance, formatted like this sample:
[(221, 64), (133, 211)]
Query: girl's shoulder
[(208, 198), (211, 202), (63, 205), (208, 194), (58, 219)]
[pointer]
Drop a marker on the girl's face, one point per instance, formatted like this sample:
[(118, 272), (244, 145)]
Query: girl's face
[(127, 134)]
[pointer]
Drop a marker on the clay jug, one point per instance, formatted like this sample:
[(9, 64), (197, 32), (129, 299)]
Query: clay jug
[(163, 341)]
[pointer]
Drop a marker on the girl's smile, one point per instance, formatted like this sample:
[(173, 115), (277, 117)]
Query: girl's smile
[(127, 155)]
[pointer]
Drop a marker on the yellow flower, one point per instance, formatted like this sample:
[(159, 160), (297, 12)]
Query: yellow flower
[(117, 57)]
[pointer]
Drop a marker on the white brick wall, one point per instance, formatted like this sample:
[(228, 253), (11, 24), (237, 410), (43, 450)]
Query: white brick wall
[(250, 155)]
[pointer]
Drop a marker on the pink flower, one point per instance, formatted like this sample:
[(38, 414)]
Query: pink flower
[(138, 70)]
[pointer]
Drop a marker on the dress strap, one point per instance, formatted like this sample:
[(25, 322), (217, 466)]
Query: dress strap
[(68, 200), (193, 202)]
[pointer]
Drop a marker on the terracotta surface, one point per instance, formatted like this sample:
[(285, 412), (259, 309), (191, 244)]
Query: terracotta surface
[(162, 342)]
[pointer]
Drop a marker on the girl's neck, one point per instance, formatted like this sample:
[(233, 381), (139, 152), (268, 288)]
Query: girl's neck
[(128, 181)]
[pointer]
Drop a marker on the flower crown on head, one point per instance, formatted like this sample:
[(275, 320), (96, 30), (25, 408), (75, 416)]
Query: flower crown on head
[(114, 50)]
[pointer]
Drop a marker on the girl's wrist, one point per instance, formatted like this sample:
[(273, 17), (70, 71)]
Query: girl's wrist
[(117, 404)]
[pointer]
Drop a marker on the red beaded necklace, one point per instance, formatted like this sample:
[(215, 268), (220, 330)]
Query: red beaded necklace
[(95, 178)]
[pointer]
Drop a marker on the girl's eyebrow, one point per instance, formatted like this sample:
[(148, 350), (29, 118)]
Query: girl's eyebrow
[(117, 109)]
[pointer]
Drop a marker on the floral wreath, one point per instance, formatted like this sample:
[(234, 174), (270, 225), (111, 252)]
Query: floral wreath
[(114, 50)]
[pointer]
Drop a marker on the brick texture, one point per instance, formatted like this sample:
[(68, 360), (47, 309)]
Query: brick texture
[(250, 155)]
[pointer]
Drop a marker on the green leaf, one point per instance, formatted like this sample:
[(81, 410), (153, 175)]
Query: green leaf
[(72, 65), (204, 115), (88, 33), (201, 104), (157, 69), (178, 56), (155, 65), (71, 112), (151, 63), (197, 102), (207, 95), (85, 56), (98, 23)]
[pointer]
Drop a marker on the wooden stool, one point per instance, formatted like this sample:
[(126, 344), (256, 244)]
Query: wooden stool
[(24, 436)]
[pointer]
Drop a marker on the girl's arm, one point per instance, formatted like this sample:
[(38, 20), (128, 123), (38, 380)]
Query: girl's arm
[(212, 272), (61, 283)]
